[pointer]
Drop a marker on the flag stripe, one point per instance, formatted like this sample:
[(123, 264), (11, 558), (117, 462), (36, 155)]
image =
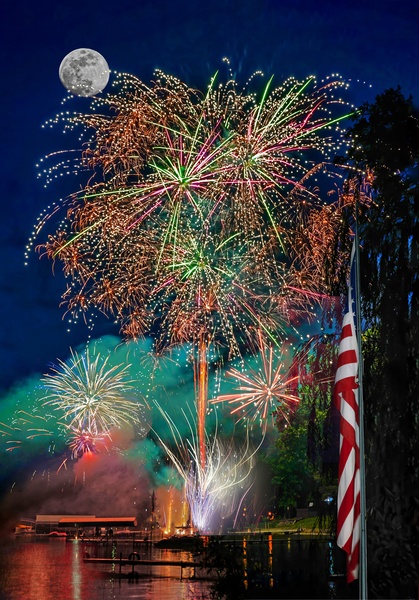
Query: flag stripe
[(346, 401)]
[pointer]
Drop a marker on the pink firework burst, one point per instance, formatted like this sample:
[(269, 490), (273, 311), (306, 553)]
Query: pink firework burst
[(86, 441), (262, 391)]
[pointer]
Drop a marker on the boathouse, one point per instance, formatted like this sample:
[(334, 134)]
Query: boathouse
[(48, 523)]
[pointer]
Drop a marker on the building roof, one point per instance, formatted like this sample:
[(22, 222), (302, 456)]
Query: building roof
[(56, 518), (77, 520)]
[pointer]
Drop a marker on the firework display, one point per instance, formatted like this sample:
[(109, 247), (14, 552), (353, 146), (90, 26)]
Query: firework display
[(85, 441), (193, 226), (322, 242)]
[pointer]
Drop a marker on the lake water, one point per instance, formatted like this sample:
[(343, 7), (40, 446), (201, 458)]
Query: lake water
[(36, 568), (53, 569)]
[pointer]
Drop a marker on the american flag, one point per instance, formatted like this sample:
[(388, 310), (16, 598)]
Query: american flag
[(346, 401)]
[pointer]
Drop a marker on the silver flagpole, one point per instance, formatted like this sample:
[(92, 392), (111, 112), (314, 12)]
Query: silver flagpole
[(363, 587)]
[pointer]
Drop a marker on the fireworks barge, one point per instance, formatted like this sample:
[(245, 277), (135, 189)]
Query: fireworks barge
[(182, 542)]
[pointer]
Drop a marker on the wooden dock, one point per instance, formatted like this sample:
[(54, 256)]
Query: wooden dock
[(183, 564)]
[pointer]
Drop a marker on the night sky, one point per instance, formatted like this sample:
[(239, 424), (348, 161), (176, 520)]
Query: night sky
[(372, 43)]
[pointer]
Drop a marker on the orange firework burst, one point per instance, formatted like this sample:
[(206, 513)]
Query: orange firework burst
[(322, 241), (178, 178)]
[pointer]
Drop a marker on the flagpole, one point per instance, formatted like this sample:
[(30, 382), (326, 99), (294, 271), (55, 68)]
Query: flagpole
[(363, 587)]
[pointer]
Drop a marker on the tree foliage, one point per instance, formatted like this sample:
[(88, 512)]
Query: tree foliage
[(303, 460), (386, 141), (384, 152), (292, 472)]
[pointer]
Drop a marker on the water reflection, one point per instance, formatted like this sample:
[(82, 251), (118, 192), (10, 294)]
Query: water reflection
[(76, 571), (53, 569)]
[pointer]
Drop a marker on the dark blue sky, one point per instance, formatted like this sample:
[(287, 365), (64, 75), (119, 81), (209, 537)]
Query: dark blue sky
[(372, 41)]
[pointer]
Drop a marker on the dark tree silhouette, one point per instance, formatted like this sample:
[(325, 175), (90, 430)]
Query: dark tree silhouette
[(386, 141)]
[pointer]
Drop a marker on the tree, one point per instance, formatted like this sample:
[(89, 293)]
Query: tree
[(301, 469), (385, 152), (292, 472), (386, 141)]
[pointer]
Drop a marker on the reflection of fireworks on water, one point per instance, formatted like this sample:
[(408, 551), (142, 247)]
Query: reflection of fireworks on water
[(92, 398), (264, 391), (215, 489)]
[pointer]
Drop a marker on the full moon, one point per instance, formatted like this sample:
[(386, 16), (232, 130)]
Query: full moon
[(84, 72)]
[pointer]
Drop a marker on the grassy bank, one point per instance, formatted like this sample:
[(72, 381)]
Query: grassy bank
[(308, 525)]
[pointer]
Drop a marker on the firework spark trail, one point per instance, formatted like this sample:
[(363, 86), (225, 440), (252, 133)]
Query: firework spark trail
[(7, 429), (25, 426), (322, 241), (214, 489)]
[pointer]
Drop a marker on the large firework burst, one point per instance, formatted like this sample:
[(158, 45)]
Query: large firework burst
[(91, 397), (191, 181)]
